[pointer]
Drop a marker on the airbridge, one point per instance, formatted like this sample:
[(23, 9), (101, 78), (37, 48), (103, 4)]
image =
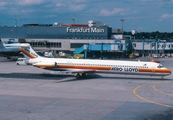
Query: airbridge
[(102, 47)]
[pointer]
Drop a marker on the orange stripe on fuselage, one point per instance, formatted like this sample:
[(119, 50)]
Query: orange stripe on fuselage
[(74, 67), (107, 68), (26, 53), (154, 70)]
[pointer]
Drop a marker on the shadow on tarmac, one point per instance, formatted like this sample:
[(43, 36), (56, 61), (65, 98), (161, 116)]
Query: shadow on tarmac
[(71, 78), (137, 78), (60, 78), (166, 115), (31, 76)]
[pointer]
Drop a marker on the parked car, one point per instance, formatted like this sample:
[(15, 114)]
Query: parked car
[(21, 61)]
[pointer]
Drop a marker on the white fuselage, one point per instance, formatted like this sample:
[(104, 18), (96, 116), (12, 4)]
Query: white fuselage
[(107, 66), (88, 65)]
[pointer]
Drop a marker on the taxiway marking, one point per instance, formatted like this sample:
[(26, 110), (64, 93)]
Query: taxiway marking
[(155, 88), (150, 101)]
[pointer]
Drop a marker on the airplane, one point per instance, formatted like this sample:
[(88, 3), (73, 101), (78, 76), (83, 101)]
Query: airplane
[(80, 67), (8, 50)]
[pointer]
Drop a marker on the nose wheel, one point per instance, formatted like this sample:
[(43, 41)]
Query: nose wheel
[(162, 78)]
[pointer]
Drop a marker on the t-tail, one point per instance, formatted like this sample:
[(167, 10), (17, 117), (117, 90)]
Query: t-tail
[(28, 52)]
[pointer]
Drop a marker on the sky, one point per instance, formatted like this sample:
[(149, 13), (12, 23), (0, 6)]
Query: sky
[(139, 15)]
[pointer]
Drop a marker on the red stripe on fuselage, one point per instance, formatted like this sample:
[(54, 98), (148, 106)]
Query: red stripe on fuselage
[(74, 67)]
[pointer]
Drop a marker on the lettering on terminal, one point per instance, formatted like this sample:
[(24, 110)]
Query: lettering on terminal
[(84, 30)]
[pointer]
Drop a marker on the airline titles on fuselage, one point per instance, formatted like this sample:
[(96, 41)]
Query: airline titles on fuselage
[(124, 69)]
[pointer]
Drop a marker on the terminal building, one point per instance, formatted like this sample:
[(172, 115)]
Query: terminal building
[(153, 47), (95, 39)]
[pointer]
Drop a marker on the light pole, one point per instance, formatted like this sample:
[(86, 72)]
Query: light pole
[(122, 20), (74, 20), (16, 19)]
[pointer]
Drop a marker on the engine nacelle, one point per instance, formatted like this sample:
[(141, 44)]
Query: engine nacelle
[(45, 65)]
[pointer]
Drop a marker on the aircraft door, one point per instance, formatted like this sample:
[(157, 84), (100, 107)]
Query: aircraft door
[(153, 69)]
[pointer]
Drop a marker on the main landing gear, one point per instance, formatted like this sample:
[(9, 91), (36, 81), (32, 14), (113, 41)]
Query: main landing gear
[(81, 75)]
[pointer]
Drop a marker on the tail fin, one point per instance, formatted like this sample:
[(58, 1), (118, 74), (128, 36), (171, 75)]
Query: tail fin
[(28, 52), (1, 44)]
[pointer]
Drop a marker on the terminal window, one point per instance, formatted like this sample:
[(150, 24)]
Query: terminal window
[(76, 45), (48, 44), (134, 44)]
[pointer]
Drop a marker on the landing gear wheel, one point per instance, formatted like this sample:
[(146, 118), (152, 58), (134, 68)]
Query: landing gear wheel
[(162, 78), (84, 75), (78, 76), (81, 75)]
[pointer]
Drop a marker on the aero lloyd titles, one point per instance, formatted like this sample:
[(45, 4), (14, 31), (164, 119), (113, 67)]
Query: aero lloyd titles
[(84, 30)]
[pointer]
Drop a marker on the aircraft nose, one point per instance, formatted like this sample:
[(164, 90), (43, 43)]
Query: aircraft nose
[(169, 71)]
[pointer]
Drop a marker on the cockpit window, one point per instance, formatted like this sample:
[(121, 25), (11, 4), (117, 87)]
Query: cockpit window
[(160, 66)]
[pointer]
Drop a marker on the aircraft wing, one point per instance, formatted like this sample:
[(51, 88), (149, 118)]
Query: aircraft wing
[(11, 50), (53, 66), (17, 45)]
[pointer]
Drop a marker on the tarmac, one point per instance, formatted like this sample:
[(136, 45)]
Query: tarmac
[(29, 93)]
